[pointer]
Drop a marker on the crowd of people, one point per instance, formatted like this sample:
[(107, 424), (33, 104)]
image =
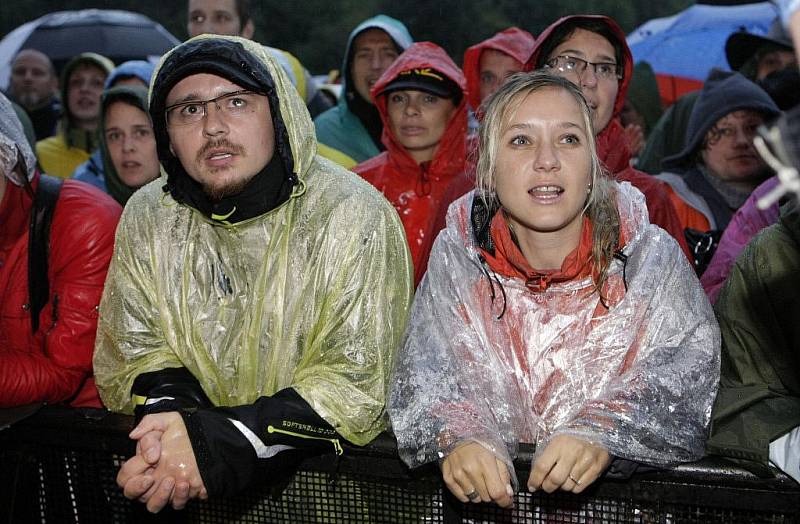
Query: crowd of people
[(470, 257)]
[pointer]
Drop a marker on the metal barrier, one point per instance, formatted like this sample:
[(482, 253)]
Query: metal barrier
[(60, 466)]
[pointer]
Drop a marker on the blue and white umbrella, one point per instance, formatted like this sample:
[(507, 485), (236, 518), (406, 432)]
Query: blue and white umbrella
[(686, 46)]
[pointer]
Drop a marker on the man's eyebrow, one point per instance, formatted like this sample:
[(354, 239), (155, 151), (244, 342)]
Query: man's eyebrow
[(190, 97), (196, 97)]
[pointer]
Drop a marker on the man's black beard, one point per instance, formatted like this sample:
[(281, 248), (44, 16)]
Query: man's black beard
[(215, 194)]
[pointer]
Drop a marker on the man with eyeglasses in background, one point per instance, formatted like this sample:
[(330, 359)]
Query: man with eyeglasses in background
[(241, 320), (591, 51)]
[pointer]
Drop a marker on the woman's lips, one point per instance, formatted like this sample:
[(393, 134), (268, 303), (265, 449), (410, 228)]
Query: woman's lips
[(546, 194), (412, 130)]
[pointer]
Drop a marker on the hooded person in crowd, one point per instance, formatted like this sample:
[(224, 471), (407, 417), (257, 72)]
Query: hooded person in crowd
[(552, 313), (50, 284), (351, 131), (761, 58), (421, 102), (233, 18), (591, 52), (719, 167), (82, 83), (127, 143), (258, 292), (131, 73), (489, 64), (34, 85), (758, 56)]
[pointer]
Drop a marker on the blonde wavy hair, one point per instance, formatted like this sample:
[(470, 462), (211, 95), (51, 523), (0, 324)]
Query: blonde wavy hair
[(601, 205)]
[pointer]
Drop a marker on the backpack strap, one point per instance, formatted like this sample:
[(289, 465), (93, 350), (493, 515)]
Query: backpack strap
[(44, 205)]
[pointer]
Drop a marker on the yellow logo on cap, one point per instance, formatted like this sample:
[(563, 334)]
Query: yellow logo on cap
[(426, 71)]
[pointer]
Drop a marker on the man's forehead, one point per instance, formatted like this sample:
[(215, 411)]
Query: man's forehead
[(86, 68), (200, 86), (495, 56), (587, 44), (211, 6), (739, 114), (32, 57), (372, 36)]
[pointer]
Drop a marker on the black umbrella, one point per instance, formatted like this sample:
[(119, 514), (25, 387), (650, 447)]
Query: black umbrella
[(118, 35)]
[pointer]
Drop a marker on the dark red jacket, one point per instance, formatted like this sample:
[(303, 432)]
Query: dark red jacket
[(55, 363), (417, 191), (612, 147), (515, 42)]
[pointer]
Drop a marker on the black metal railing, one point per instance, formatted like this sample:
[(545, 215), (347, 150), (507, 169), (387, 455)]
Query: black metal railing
[(60, 464)]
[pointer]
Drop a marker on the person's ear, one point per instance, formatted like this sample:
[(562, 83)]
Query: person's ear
[(248, 30)]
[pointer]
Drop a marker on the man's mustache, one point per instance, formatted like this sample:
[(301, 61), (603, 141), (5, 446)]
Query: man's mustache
[(224, 143)]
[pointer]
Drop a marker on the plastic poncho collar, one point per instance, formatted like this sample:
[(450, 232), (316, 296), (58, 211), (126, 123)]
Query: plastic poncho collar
[(451, 153), (515, 42), (247, 64), (638, 378), (73, 136), (12, 132), (133, 96)]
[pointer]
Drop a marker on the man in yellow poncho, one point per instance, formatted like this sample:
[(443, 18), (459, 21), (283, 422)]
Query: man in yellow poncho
[(257, 291)]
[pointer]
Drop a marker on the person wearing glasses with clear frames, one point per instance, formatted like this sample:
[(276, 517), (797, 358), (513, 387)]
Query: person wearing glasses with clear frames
[(590, 51), (241, 322)]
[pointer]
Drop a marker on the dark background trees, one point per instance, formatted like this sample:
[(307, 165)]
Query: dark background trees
[(316, 30)]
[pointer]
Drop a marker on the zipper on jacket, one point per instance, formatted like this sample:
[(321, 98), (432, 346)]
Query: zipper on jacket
[(335, 441)]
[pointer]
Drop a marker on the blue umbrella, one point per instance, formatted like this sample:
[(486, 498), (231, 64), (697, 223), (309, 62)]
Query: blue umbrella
[(689, 44)]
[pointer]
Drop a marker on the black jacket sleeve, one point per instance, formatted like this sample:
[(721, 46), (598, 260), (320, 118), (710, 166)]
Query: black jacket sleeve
[(170, 389), (232, 443)]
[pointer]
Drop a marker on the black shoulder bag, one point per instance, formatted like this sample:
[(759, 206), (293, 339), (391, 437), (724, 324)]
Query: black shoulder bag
[(44, 204)]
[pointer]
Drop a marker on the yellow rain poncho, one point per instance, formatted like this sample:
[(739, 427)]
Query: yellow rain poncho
[(312, 295)]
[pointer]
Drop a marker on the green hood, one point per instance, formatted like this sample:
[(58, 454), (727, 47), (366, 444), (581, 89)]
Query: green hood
[(136, 97), (77, 137)]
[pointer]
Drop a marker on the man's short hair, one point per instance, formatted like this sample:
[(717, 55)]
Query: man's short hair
[(50, 67)]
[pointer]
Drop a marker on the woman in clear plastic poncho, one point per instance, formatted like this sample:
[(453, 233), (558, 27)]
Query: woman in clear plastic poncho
[(614, 353)]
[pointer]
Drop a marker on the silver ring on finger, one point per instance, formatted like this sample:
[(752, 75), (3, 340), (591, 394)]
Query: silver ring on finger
[(576, 481), (472, 495)]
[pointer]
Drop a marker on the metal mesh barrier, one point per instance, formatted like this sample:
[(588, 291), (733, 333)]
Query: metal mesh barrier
[(60, 466)]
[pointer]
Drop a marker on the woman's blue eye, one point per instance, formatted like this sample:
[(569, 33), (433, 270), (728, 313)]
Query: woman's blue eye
[(519, 141)]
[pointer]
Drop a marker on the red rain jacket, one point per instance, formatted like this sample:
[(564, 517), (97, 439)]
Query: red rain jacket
[(515, 42), (418, 191), (55, 363), (614, 151)]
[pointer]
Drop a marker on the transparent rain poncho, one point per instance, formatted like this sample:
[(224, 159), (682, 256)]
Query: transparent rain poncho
[(639, 378), (312, 295)]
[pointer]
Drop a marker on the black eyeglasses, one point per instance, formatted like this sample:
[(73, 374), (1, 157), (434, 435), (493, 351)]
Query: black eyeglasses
[(577, 66), (234, 104)]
